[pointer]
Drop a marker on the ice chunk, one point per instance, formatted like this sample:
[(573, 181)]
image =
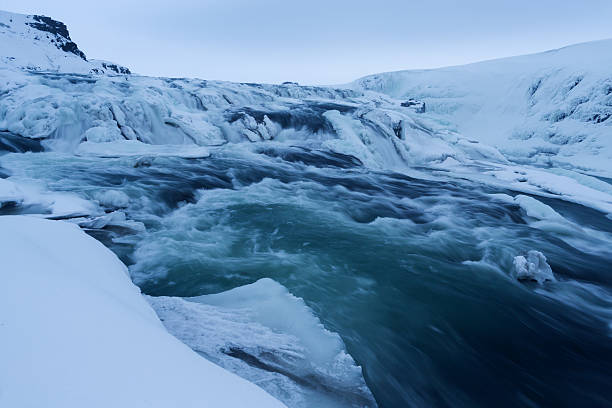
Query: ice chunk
[(268, 336), (10, 192), (100, 134), (53, 204), (136, 148), (533, 268), (113, 198), (115, 218), (536, 209)]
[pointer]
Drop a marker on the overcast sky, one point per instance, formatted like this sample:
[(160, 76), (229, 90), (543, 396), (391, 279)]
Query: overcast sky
[(316, 41)]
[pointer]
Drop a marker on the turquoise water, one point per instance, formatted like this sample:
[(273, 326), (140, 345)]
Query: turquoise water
[(413, 273)]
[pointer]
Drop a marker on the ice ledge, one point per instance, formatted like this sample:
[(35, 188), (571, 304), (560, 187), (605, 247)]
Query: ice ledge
[(75, 331)]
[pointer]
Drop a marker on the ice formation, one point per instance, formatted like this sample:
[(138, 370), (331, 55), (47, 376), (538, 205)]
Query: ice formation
[(533, 268), (461, 120), (552, 108), (76, 332), (266, 335)]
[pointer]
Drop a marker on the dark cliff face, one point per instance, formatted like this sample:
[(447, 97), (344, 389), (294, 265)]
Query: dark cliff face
[(58, 35), (60, 31), (116, 68)]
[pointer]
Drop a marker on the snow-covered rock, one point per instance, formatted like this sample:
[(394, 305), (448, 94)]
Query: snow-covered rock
[(75, 331), (39, 43)]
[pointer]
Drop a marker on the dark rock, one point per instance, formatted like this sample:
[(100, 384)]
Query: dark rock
[(18, 144), (59, 29), (419, 106)]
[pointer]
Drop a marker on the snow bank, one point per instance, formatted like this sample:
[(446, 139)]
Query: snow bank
[(75, 332)]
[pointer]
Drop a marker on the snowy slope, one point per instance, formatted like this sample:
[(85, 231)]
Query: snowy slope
[(75, 331), (40, 43), (552, 108)]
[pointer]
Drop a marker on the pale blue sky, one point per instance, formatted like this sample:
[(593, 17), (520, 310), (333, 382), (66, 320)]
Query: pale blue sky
[(316, 41)]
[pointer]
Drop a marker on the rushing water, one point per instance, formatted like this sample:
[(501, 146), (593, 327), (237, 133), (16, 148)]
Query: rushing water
[(414, 273)]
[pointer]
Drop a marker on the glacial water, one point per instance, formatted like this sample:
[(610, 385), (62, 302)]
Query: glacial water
[(413, 271)]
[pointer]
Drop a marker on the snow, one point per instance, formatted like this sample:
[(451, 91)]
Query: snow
[(38, 43), (9, 192), (75, 331), (543, 109), (533, 268), (299, 361)]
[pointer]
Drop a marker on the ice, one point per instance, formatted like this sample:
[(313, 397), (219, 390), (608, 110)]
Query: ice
[(547, 108), (94, 331), (533, 268), (568, 185), (10, 192), (136, 148), (537, 209), (115, 218), (50, 203), (113, 198), (100, 134), (268, 336), (543, 109), (516, 121)]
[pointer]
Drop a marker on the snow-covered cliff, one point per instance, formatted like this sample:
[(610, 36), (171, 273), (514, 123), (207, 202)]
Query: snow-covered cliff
[(39, 43), (552, 108)]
